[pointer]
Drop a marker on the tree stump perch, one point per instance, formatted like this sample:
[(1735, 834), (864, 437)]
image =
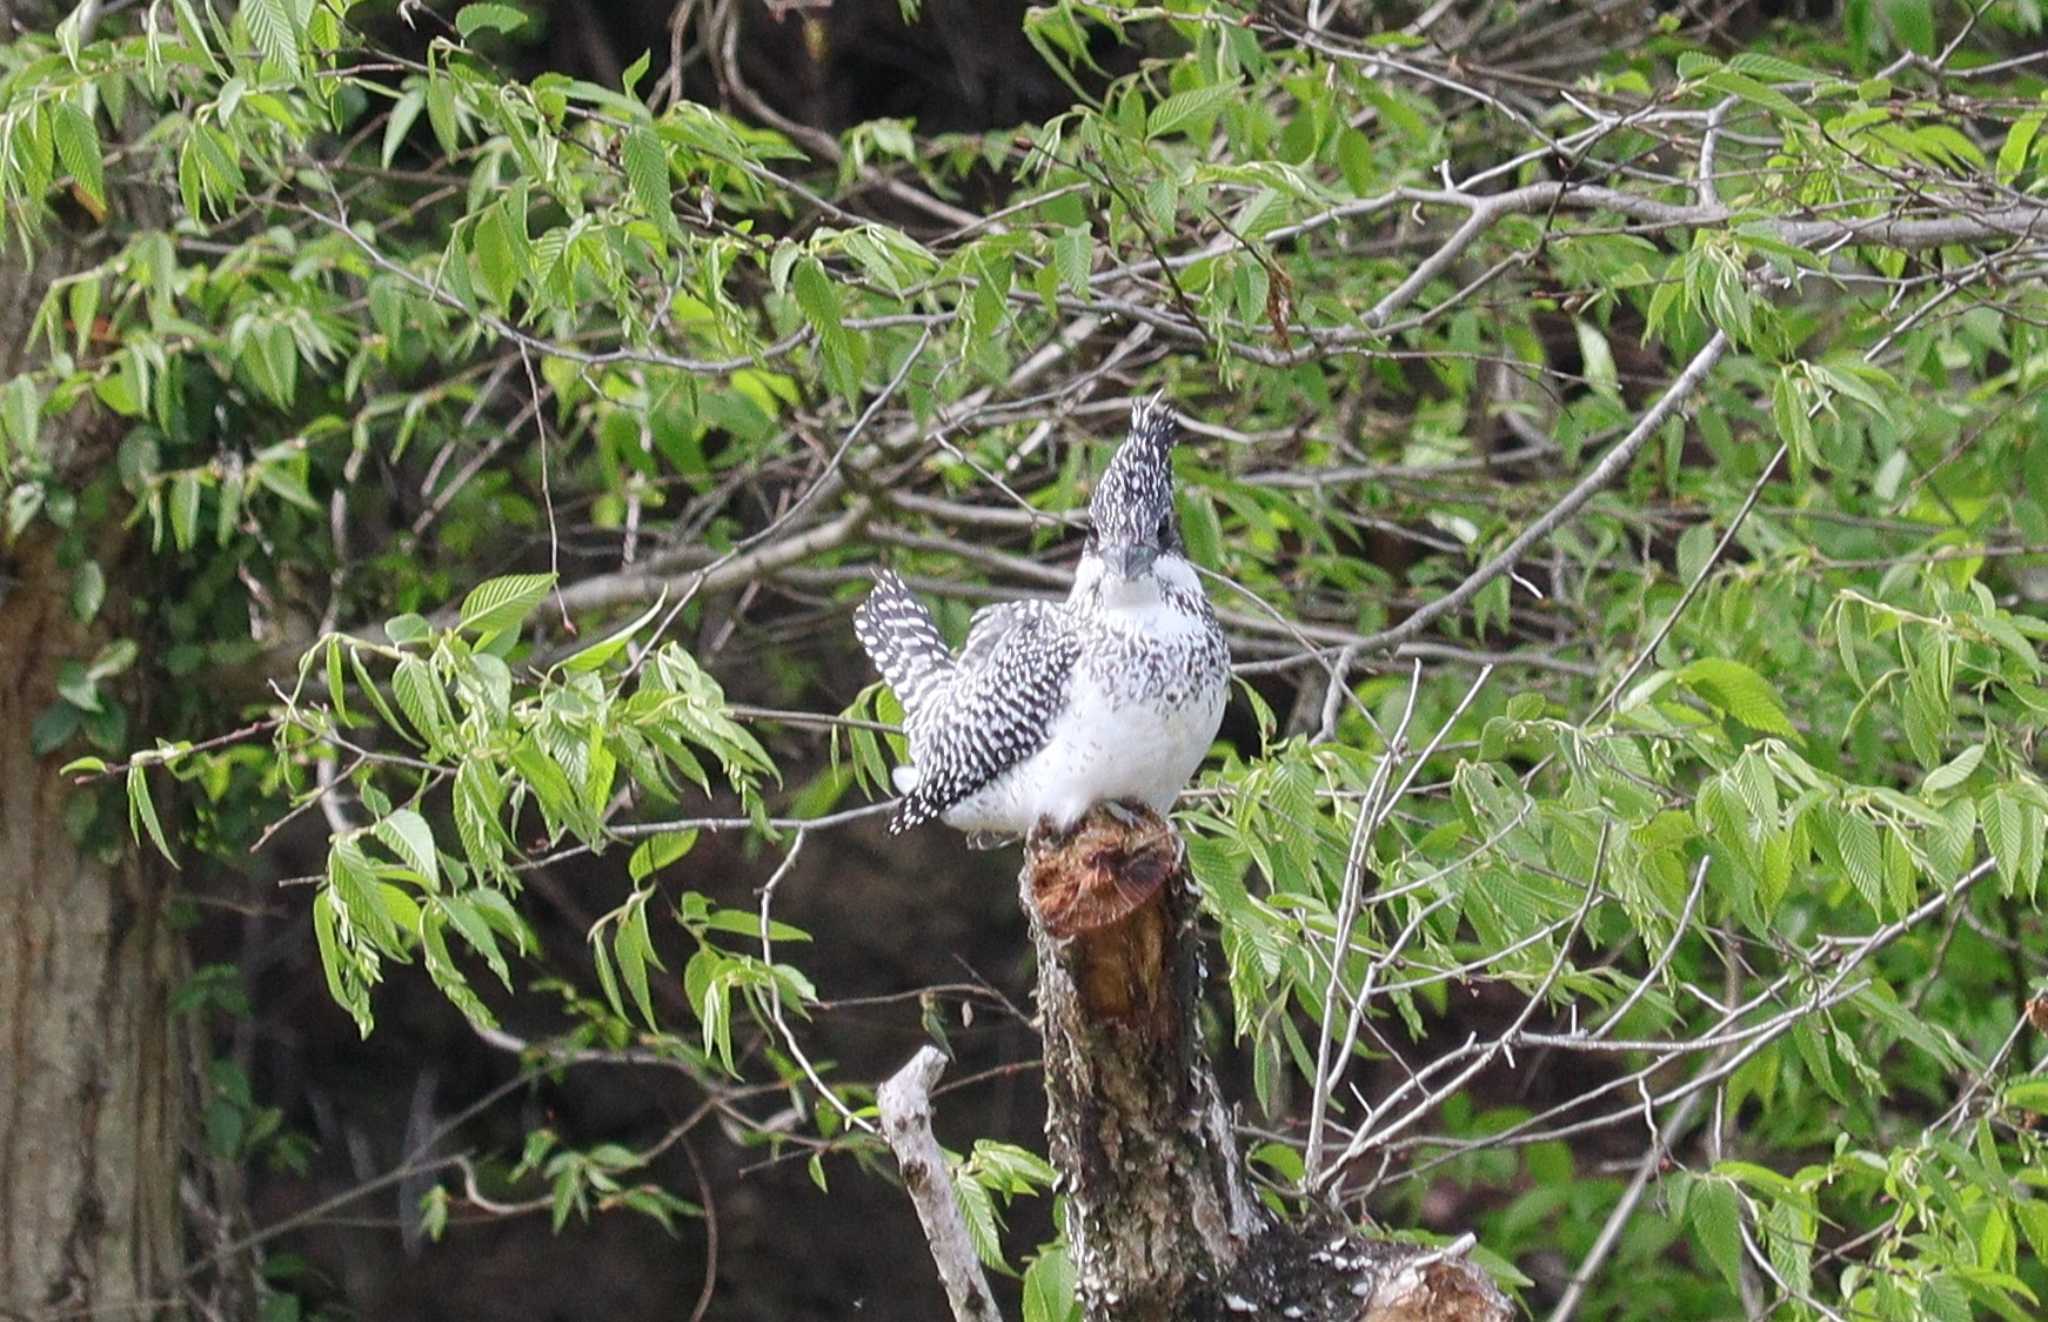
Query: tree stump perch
[(1163, 1225)]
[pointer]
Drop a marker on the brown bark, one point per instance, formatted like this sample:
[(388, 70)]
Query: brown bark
[(88, 1124), (90, 1112), (1162, 1223)]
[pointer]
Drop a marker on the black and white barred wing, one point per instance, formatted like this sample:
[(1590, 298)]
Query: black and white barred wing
[(1008, 683), (898, 634)]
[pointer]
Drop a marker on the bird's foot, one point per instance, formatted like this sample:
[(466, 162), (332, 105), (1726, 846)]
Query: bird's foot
[(1126, 812), (1044, 835)]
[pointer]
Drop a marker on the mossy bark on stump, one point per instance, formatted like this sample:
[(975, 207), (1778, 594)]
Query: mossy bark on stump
[(1162, 1221)]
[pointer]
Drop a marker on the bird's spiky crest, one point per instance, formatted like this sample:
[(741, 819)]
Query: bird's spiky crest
[(1136, 490)]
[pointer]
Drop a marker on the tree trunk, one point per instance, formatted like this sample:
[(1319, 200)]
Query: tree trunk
[(90, 1111), (1162, 1224)]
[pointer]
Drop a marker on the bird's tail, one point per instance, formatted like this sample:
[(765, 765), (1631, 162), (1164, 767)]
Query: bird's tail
[(899, 635)]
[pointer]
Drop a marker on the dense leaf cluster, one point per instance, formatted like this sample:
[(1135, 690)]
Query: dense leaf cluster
[(1622, 461)]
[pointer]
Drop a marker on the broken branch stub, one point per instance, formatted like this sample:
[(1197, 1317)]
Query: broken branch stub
[(1162, 1223)]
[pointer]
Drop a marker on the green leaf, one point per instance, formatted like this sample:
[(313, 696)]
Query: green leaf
[(500, 605), (816, 296), (142, 811), (343, 980), (271, 28), (184, 509), (1715, 1210), (1600, 371), (1771, 68), (1740, 692), (494, 18), (1183, 108), (78, 146), (646, 162), (1953, 772), (1072, 255), (21, 413), (634, 947), (1863, 858), (978, 1210), (1754, 92), (441, 112), (501, 252), (657, 852), (2019, 142), (1049, 1294), (408, 836), (404, 112), (604, 649), (419, 697), (2012, 828)]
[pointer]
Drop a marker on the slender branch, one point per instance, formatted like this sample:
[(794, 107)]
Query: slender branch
[(905, 1102), (1610, 466)]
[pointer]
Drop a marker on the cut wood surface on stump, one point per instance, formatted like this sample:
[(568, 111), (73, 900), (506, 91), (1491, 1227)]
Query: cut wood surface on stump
[(1162, 1222)]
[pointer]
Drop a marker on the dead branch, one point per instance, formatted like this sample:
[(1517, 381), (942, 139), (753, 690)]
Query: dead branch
[(905, 1102)]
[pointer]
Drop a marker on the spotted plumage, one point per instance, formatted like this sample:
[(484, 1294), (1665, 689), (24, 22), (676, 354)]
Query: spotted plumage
[(1052, 707)]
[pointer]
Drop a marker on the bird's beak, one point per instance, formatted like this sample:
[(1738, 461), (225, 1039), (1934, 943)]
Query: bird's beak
[(1130, 562)]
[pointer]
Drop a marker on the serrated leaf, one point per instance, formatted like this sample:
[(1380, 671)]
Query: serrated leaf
[(1863, 858), (271, 28), (1774, 69), (184, 509), (469, 921), (500, 254), (816, 296), (408, 836), (1740, 692), (1952, 773), (341, 984), (1072, 250), (78, 146), (2006, 823), (418, 696), (646, 162), (1715, 1210), (499, 605), (978, 1210), (1184, 108), (1049, 1294), (441, 113), (604, 649), (634, 949), (1754, 92), (1600, 371)]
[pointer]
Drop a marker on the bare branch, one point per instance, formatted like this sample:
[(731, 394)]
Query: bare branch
[(905, 1102)]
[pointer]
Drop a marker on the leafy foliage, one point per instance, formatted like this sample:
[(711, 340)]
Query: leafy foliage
[(1723, 790)]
